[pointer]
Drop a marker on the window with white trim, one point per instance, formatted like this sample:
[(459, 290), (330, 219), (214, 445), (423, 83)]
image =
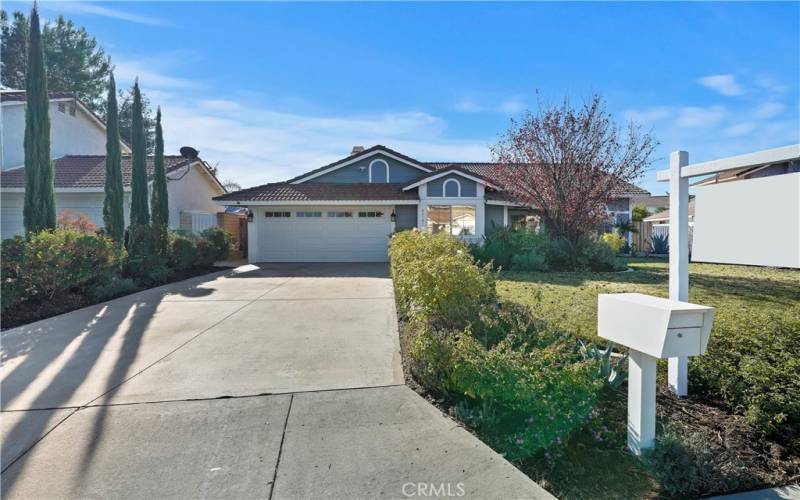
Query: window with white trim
[(277, 214), (451, 188), (457, 220), (378, 171), (340, 214), (308, 214), (370, 214)]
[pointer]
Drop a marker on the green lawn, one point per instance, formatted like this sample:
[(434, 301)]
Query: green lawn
[(595, 465), (569, 300)]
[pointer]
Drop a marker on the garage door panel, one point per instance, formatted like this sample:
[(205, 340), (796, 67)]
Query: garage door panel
[(324, 239)]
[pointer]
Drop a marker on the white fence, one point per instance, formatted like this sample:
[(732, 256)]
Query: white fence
[(660, 230), (197, 221)]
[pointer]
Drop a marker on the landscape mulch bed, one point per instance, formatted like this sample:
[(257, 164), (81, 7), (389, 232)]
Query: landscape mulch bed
[(735, 456), (29, 312)]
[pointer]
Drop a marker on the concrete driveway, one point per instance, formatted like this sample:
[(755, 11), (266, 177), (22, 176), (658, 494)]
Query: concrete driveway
[(271, 381)]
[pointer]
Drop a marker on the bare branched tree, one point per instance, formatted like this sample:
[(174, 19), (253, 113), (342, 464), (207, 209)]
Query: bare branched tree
[(568, 162), (231, 185)]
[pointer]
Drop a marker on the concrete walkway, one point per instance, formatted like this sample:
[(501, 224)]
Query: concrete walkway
[(272, 381)]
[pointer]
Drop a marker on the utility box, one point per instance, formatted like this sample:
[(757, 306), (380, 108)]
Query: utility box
[(659, 327), (652, 328)]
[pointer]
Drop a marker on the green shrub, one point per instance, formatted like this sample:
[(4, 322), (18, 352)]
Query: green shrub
[(183, 252), (146, 264), (504, 243), (529, 261), (639, 212), (220, 241), (752, 363), (436, 280), (536, 396), (112, 288), (51, 262)]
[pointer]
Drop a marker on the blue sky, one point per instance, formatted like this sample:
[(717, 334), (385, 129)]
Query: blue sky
[(269, 90)]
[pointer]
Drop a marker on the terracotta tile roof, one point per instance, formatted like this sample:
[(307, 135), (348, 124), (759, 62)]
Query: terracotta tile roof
[(285, 191), (320, 191), (86, 171), (358, 155), (448, 168), (20, 96), (488, 171)]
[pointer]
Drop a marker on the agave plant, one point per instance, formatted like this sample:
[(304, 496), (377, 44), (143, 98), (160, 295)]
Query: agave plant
[(659, 243), (611, 369)]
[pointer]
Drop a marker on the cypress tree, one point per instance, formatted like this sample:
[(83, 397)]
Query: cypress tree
[(159, 200), (39, 211), (113, 211), (140, 214)]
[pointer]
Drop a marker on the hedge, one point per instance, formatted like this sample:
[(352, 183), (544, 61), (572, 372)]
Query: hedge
[(521, 385)]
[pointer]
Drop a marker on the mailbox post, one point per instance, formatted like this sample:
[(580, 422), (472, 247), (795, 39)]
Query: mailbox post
[(652, 328)]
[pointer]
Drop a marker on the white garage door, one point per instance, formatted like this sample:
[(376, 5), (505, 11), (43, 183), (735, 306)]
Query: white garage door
[(322, 234)]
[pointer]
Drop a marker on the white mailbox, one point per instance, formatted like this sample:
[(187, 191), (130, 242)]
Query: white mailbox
[(652, 328), (659, 327)]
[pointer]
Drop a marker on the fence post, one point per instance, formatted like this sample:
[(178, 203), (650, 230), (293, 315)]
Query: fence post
[(678, 257)]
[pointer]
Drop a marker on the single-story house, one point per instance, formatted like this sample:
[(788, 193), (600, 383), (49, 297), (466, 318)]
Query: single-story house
[(346, 211), (80, 187)]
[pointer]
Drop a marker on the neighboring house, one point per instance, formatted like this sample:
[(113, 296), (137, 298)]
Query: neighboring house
[(662, 218), (74, 128), (770, 169), (79, 187), (347, 210), (653, 204)]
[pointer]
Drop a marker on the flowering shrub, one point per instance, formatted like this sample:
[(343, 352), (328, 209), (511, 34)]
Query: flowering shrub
[(51, 262), (75, 221), (614, 241)]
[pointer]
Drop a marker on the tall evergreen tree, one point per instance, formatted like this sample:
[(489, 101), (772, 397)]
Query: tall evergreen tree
[(39, 211), (125, 99), (14, 49), (140, 214), (113, 211), (160, 199)]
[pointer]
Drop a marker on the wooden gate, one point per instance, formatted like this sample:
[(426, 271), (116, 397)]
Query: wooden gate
[(236, 225)]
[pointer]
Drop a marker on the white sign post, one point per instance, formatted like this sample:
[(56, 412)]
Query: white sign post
[(678, 373), (678, 175)]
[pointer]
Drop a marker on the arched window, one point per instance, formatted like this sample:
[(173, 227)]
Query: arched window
[(378, 171), (451, 188)]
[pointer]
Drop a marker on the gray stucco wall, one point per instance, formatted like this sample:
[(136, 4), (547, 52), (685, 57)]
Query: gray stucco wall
[(359, 172), (494, 218), (619, 205), (468, 188), (406, 217)]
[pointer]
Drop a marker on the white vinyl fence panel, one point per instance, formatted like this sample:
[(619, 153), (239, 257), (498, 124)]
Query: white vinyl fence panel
[(197, 221)]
